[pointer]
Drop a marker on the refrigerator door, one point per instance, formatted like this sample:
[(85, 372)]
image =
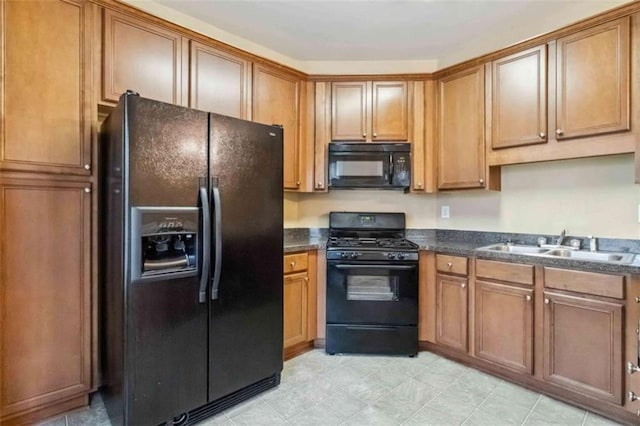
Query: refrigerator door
[(245, 332), (167, 324)]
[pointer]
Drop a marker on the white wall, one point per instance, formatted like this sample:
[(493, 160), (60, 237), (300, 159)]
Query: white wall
[(313, 209), (585, 196)]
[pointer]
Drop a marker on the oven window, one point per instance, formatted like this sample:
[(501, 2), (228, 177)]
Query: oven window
[(372, 287), (359, 168)]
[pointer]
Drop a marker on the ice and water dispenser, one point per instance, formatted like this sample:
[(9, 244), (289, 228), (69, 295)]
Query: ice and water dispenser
[(164, 242)]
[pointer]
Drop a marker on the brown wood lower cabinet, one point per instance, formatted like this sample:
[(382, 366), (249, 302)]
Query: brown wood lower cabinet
[(451, 311), (295, 308), (45, 297), (300, 300), (583, 344), (504, 325)]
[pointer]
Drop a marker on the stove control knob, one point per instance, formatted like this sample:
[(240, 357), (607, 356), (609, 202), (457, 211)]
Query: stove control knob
[(344, 255), (391, 256), (400, 256), (354, 255)]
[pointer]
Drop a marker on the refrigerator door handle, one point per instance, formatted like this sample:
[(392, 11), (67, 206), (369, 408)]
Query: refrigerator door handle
[(217, 230), (206, 243)]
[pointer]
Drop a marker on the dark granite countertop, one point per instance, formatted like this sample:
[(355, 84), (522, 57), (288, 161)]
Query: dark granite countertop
[(466, 243)]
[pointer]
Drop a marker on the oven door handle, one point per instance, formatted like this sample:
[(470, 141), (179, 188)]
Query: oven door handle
[(388, 267)]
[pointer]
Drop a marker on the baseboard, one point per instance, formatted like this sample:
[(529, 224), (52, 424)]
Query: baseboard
[(297, 349)]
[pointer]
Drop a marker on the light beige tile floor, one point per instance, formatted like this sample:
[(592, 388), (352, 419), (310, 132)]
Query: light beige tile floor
[(318, 389)]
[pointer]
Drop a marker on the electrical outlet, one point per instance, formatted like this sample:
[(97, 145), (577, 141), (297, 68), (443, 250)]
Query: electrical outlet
[(444, 212)]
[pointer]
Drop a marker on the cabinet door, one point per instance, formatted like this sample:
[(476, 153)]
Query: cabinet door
[(592, 75), (389, 111), (295, 309), (451, 311), (276, 100), (219, 82), (504, 310), (45, 87), (349, 111), (143, 57), (45, 321), (583, 345), (519, 99), (461, 130)]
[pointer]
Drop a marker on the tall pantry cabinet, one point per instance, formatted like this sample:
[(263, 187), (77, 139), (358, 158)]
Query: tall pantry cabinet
[(46, 198)]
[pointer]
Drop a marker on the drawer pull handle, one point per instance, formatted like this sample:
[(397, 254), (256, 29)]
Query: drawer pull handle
[(632, 368), (528, 298)]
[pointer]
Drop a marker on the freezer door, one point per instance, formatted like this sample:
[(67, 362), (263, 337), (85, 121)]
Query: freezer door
[(245, 340), (167, 324)]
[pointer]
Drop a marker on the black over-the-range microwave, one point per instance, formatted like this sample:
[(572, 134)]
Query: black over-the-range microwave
[(369, 165)]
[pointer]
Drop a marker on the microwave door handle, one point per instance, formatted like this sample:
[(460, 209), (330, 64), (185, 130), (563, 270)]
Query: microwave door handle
[(217, 230), (391, 169), (206, 243)]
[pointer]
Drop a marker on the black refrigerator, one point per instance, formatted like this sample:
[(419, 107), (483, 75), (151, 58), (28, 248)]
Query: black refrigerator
[(191, 264)]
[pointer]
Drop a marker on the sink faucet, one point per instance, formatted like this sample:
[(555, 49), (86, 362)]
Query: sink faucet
[(561, 237)]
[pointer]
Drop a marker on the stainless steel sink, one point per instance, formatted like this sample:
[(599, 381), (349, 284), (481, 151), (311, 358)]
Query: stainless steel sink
[(512, 248), (610, 257), (593, 256)]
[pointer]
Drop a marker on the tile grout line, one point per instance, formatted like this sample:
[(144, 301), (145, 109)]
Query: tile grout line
[(434, 397), (584, 419), (482, 403), (531, 410)]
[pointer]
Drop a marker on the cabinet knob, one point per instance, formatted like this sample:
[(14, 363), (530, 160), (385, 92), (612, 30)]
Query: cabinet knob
[(87, 166), (559, 132), (632, 368), (463, 285), (375, 135), (87, 190), (419, 184), (528, 298), (632, 396), (364, 134), (298, 183), (306, 279), (546, 301), (292, 264), (542, 135), (481, 181), (319, 184), (449, 264)]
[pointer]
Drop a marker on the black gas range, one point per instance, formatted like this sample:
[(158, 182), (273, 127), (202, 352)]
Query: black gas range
[(372, 285)]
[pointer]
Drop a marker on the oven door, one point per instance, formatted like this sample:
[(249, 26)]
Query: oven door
[(375, 293), (360, 170)]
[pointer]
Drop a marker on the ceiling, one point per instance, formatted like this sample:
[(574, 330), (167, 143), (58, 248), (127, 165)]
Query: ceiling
[(447, 31)]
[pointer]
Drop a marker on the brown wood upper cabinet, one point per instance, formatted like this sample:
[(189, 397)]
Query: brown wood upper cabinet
[(461, 133), (369, 111), (143, 57), (276, 100), (519, 99), (46, 87), (592, 78), (219, 82)]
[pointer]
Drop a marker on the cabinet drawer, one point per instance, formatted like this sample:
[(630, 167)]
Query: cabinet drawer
[(295, 262), (451, 264), (585, 282), (505, 271)]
